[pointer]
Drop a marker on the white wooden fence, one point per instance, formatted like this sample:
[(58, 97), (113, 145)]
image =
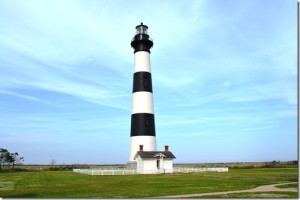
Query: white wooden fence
[(104, 172), (204, 169)]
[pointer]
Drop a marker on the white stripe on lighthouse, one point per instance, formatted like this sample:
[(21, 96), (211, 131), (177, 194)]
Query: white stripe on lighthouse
[(142, 61), (149, 143), (142, 102)]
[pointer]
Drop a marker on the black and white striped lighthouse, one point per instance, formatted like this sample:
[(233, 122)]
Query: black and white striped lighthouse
[(142, 117)]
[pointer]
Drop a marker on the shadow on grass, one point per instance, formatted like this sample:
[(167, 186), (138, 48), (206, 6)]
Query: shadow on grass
[(4, 171), (21, 195)]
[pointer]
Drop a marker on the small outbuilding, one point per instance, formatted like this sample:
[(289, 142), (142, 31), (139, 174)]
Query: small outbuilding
[(154, 162)]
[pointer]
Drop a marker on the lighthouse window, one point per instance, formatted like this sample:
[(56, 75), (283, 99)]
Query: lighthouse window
[(141, 30), (146, 81), (147, 122)]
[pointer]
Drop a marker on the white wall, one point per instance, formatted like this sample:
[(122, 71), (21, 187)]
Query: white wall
[(168, 165), (146, 166), (149, 166)]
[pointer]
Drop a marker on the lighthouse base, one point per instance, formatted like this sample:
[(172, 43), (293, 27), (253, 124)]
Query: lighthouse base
[(148, 142), (131, 165)]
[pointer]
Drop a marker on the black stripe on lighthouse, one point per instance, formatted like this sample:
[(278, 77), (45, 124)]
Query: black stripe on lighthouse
[(142, 124), (142, 82)]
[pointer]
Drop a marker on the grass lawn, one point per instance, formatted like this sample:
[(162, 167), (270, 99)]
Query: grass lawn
[(292, 185), (64, 184)]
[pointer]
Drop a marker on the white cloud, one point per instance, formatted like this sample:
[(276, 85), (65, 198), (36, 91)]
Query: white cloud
[(27, 97)]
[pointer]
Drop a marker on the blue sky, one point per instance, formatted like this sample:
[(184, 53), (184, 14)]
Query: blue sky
[(224, 78)]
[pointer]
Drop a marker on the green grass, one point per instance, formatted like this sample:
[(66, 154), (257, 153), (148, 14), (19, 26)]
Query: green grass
[(64, 184), (292, 185)]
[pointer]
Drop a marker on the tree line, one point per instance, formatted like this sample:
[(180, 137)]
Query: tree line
[(9, 159)]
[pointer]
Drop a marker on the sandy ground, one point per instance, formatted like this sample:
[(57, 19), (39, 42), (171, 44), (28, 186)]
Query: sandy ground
[(264, 188)]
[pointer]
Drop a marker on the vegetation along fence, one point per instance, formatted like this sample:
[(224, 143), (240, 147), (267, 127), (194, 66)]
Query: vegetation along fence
[(104, 172)]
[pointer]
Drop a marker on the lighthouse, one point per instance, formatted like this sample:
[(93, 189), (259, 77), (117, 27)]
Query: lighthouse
[(142, 133)]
